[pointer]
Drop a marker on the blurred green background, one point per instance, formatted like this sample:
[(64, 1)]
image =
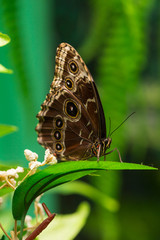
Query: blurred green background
[(120, 42)]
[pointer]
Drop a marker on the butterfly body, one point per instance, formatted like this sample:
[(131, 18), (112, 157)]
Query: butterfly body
[(71, 120), (99, 147)]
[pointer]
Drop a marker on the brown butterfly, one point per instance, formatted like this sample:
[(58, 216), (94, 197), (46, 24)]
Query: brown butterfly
[(71, 121)]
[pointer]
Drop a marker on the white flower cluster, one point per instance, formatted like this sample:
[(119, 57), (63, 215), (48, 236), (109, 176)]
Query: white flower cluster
[(10, 175), (39, 213), (34, 164), (30, 156), (28, 220), (49, 158)]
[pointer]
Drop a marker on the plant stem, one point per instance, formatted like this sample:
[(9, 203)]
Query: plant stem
[(15, 228), (5, 232), (22, 226)]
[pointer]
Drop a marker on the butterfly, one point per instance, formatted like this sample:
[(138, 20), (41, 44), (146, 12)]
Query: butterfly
[(71, 121)]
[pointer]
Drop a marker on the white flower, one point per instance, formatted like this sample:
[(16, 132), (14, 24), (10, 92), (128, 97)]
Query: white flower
[(30, 156), (28, 220), (49, 158), (10, 175), (1, 201), (38, 207), (3, 175), (38, 198), (12, 181), (33, 165), (20, 169)]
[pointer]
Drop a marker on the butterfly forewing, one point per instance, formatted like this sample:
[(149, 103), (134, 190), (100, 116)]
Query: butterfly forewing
[(71, 118)]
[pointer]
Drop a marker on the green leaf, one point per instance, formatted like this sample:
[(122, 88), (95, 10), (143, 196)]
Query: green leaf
[(67, 226), (6, 217), (4, 39), (6, 129), (56, 175), (5, 190), (5, 70), (3, 237)]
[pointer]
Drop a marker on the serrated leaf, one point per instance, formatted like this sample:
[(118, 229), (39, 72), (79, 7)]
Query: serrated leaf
[(5, 70), (4, 39), (6, 129), (58, 174)]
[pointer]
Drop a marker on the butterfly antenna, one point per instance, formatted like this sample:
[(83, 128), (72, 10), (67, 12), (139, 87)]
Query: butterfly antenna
[(121, 123), (106, 130), (109, 127)]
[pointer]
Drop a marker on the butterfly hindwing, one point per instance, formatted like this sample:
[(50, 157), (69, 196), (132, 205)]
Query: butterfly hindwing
[(69, 128)]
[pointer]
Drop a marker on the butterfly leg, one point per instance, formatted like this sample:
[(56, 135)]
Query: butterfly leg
[(98, 152), (115, 149)]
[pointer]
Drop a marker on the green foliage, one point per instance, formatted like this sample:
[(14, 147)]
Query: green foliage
[(6, 217), (117, 41), (58, 174), (4, 39), (116, 47), (10, 12), (90, 192), (6, 129), (67, 226), (122, 58), (5, 70)]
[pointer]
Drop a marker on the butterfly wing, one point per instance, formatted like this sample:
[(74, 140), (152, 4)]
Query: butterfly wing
[(85, 89), (71, 118)]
